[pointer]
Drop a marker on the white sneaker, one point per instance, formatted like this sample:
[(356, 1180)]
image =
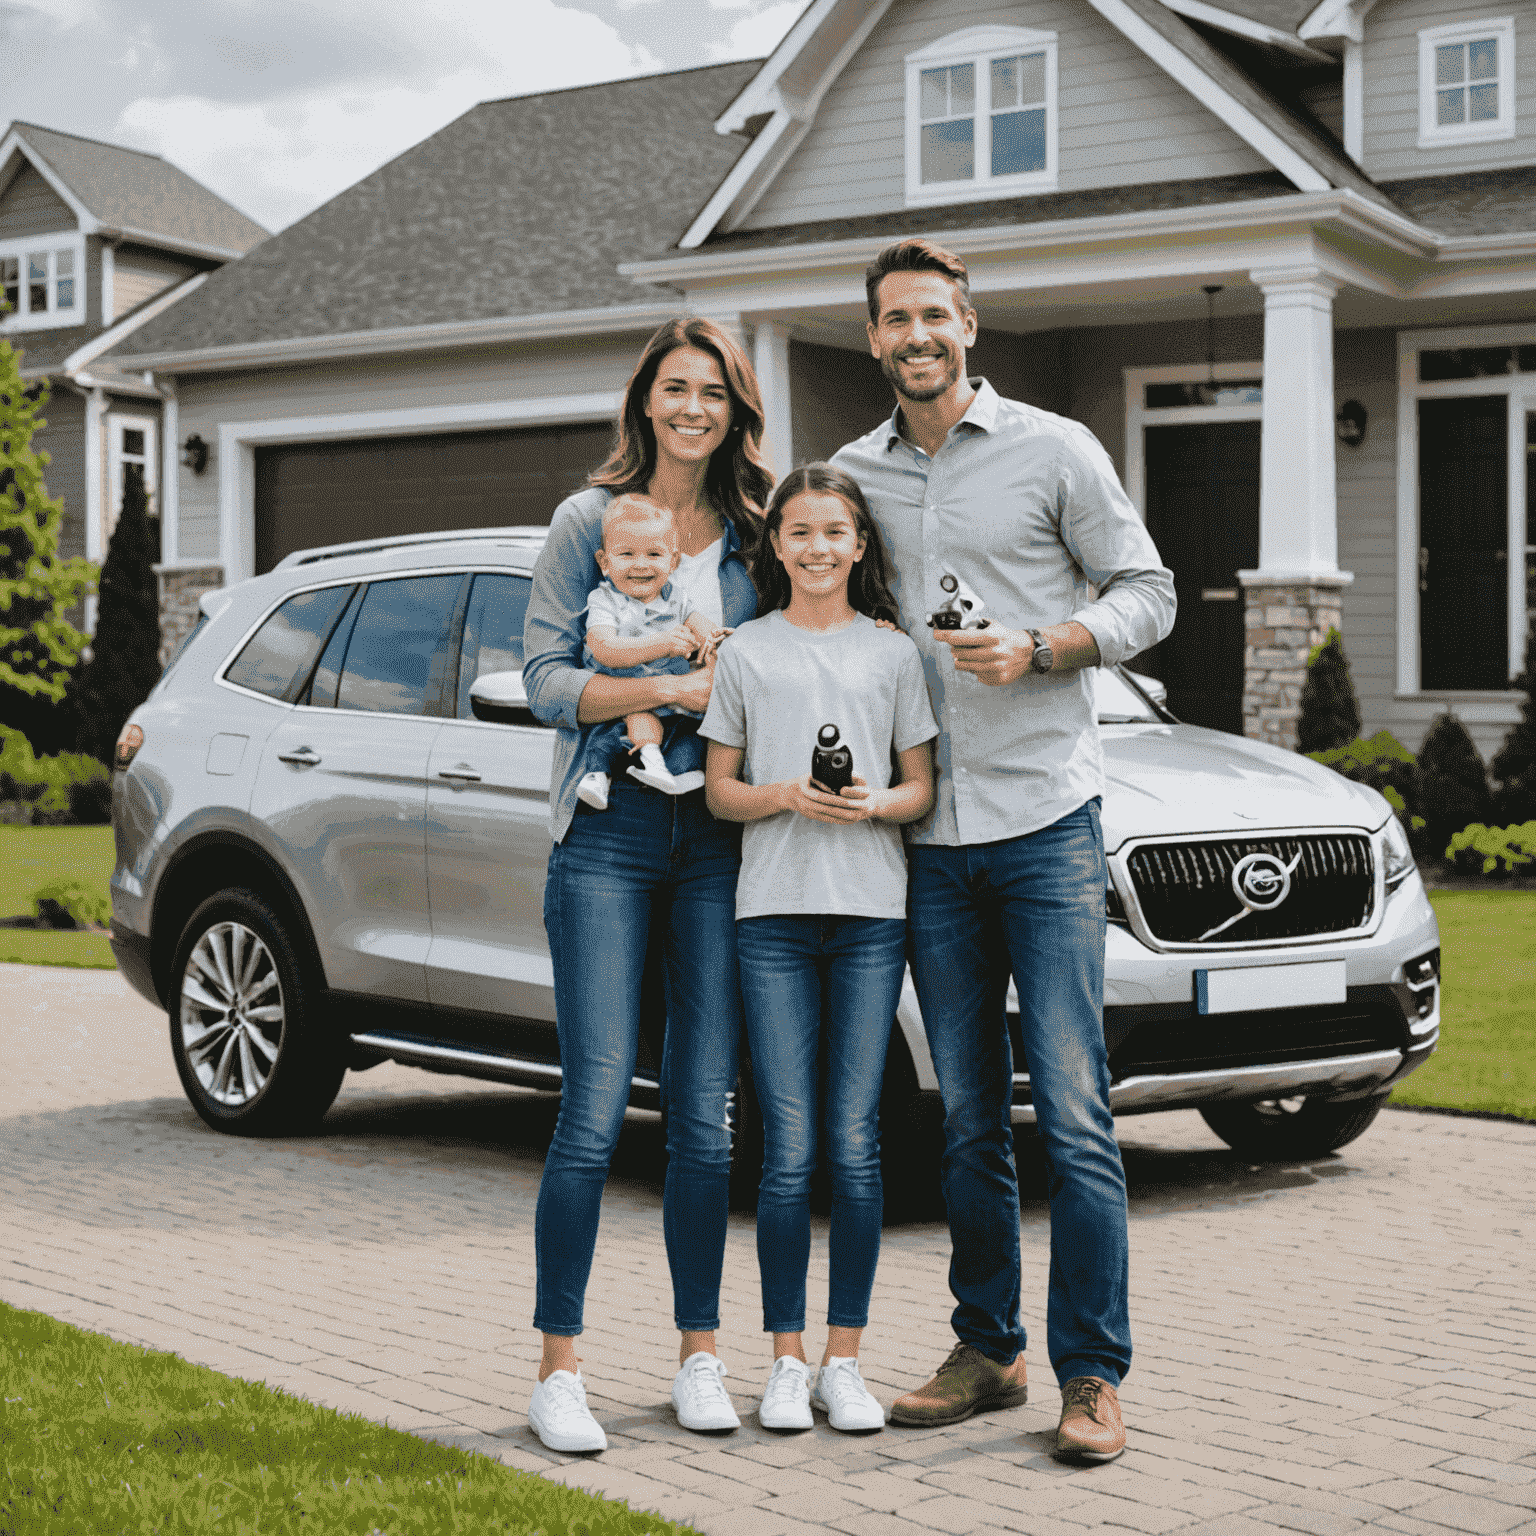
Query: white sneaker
[(840, 1390), (787, 1401), (593, 790), (699, 1395), (559, 1415)]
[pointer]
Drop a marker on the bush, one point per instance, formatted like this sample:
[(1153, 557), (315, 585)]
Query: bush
[(72, 904), (1330, 712), (67, 787), (1496, 852), (1514, 764), (1453, 782), (1386, 765)]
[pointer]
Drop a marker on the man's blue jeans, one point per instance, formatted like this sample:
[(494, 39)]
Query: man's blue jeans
[(1033, 905), (819, 988), (648, 859)]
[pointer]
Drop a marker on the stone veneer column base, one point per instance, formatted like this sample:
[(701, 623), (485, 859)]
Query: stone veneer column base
[(180, 589), (1283, 621)]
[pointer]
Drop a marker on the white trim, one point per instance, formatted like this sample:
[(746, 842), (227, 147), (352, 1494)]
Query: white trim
[(1501, 30), (1138, 416), (238, 441), (108, 272), (21, 248), (770, 361), (1354, 100), (1243, 26), (14, 142), (132, 235), (116, 424), (95, 539), (1294, 167), (748, 171), (978, 47), (1336, 21), (170, 475), (82, 357)]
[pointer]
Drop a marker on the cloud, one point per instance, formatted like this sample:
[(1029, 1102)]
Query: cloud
[(756, 36)]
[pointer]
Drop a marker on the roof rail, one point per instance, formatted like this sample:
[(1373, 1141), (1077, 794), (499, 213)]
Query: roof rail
[(523, 533)]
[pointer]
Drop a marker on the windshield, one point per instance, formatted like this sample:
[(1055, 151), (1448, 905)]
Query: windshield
[(1119, 703)]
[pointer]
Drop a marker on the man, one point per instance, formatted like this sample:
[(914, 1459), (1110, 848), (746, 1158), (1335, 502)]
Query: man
[(1008, 873)]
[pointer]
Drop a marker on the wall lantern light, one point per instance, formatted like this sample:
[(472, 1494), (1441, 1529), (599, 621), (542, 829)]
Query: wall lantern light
[(194, 454), (1350, 423)]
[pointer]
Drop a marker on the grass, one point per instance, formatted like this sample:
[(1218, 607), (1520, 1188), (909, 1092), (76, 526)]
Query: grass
[(1487, 1055), (31, 857), (100, 1436)]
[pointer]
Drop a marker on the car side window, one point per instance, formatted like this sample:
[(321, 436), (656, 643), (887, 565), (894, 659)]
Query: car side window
[(398, 646), (493, 632), (277, 658)]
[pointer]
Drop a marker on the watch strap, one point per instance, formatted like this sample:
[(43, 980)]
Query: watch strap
[(1041, 653)]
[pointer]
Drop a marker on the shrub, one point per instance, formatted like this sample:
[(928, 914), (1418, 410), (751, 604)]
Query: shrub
[(1330, 712), (58, 789), (1514, 764), (1386, 765), (72, 904), (1453, 782), (1494, 851)]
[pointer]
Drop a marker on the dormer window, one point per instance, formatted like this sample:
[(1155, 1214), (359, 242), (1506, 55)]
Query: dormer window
[(1467, 82), (981, 116), (40, 283)]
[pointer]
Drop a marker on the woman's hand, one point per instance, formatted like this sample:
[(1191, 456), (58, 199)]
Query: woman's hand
[(805, 797), (886, 624)]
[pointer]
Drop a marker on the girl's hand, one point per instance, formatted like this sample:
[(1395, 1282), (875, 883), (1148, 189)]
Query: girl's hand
[(865, 802), (805, 798)]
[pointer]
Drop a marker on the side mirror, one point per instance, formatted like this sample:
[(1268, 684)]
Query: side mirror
[(501, 698)]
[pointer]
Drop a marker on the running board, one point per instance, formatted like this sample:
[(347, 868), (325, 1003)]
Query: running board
[(512, 1069)]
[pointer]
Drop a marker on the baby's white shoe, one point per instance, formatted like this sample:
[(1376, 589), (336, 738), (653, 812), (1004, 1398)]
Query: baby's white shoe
[(840, 1390), (787, 1399), (653, 771), (593, 790)]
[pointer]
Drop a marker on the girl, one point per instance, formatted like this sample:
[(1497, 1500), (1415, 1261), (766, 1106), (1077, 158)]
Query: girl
[(821, 902)]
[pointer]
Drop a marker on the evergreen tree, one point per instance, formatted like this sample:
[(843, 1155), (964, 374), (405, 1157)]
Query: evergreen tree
[(1330, 712), (1453, 784), (39, 647), (1514, 764), (125, 650)]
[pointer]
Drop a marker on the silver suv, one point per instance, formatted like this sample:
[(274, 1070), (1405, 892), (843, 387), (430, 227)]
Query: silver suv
[(331, 820)]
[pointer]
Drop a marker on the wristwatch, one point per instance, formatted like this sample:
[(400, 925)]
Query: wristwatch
[(1042, 658)]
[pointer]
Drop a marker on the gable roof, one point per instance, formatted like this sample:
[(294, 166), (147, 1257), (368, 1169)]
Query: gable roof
[(521, 207), (118, 191)]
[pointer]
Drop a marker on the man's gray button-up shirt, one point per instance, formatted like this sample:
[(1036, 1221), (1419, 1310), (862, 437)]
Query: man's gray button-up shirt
[(1024, 507)]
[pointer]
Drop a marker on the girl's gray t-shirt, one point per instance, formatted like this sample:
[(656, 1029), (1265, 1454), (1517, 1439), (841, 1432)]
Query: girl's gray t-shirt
[(776, 685)]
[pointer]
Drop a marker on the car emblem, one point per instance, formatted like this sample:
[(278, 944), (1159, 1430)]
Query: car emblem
[(1260, 882)]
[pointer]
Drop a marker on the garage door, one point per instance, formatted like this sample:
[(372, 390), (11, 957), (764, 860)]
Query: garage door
[(378, 487)]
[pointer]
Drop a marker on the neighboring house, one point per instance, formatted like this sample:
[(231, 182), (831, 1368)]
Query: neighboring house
[(95, 240), (1280, 256)]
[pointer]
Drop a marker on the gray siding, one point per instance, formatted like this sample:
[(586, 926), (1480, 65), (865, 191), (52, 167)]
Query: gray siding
[(1123, 120), (1326, 104), (29, 206), (64, 439), (139, 274), (1391, 97)]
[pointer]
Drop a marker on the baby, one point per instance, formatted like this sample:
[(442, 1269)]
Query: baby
[(638, 627)]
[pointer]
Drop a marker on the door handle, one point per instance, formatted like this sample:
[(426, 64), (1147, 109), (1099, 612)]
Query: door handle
[(463, 772), (307, 756)]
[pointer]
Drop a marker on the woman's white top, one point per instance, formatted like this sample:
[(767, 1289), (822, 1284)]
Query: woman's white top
[(697, 578)]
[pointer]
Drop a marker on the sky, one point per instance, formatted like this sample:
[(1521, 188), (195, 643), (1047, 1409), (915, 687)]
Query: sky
[(279, 105)]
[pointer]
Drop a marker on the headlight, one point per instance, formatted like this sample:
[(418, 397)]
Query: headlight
[(1396, 853)]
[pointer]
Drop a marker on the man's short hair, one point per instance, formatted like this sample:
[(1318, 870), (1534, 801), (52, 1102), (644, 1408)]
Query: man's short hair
[(635, 508), (916, 255)]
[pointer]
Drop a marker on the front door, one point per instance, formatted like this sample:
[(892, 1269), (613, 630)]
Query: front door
[(1203, 514)]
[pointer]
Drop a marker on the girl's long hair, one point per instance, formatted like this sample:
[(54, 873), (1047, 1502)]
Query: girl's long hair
[(737, 480), (869, 583)]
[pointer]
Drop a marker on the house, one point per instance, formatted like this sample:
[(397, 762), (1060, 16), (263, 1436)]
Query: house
[(95, 240), (1279, 255)]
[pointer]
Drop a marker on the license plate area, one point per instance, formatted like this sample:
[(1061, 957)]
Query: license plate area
[(1251, 988)]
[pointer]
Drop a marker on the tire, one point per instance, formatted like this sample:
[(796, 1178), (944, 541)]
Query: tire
[(1285, 1130), (247, 1047)]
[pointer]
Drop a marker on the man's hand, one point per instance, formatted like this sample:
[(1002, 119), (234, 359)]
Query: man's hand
[(691, 690), (995, 656)]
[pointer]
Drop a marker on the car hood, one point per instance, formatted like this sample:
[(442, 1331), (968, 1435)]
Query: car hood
[(1168, 779)]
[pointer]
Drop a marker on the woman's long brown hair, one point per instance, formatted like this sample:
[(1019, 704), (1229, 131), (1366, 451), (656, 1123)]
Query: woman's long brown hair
[(869, 583), (737, 481)]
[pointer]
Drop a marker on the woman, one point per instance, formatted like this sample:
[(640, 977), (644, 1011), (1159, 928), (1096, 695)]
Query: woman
[(689, 438)]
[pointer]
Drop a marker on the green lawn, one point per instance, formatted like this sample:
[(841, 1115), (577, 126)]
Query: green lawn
[(30, 857), (99, 1436)]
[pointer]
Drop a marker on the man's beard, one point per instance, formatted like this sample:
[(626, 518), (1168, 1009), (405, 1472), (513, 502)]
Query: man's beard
[(951, 372)]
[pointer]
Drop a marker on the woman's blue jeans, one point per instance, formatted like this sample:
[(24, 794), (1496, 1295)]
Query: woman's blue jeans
[(1032, 905), (820, 992), (649, 859)]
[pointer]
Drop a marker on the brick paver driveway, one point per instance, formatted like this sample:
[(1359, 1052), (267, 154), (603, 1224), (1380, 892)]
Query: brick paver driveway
[(1318, 1347)]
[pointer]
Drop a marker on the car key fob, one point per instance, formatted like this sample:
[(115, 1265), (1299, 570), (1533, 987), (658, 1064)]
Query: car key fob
[(831, 762)]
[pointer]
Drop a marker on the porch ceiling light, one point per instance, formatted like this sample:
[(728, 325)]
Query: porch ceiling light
[(1350, 423)]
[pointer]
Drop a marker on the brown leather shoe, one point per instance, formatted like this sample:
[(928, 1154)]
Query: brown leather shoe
[(1091, 1428), (968, 1382)]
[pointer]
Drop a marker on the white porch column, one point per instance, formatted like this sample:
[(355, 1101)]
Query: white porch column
[(95, 491), (170, 473), (1293, 598), (770, 357)]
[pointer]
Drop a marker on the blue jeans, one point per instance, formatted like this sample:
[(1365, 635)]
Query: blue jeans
[(806, 981), (1033, 905), (648, 859)]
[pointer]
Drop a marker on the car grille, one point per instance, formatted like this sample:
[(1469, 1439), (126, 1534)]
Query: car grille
[(1185, 889)]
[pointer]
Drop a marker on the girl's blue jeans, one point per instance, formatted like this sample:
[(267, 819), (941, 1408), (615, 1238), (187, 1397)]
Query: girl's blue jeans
[(820, 994), (648, 859)]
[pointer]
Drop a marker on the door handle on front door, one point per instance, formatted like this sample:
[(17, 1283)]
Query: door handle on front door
[(463, 772), (307, 756)]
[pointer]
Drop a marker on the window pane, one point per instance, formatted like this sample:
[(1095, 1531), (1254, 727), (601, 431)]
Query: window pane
[(399, 633), (133, 441), (1485, 104), (1451, 64), (1450, 108), (1018, 142), (322, 690), (1483, 59), (493, 631), (1465, 363), (64, 263), (10, 282), (1228, 392), (935, 94), (67, 292), (280, 653), (37, 283), (1005, 83), (64, 271), (948, 152), (1032, 79), (962, 88)]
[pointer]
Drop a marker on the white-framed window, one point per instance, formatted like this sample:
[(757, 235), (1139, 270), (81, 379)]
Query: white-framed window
[(131, 450), (1467, 82), (42, 280), (981, 115)]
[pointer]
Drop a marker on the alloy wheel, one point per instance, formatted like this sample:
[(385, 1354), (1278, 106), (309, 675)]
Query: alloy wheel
[(231, 1013)]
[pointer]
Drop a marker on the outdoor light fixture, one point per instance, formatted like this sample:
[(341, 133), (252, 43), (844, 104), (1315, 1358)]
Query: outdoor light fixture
[(194, 454), (1350, 423)]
